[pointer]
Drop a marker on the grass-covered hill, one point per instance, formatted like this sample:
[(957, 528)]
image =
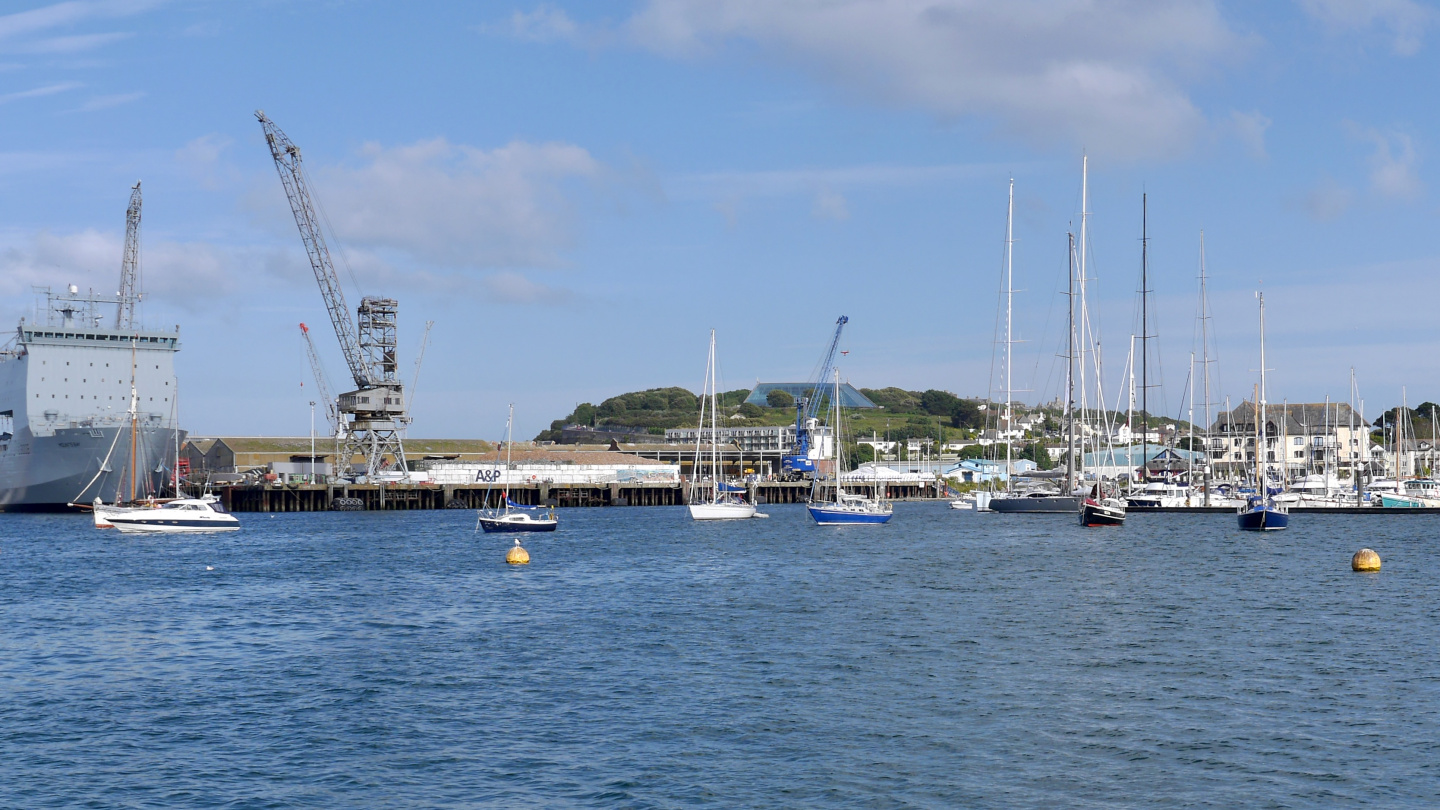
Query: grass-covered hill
[(903, 414)]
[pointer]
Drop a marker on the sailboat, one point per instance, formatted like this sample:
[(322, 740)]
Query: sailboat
[(844, 507), (1099, 507), (1045, 500), (102, 512), (1261, 513), (713, 498), (511, 516)]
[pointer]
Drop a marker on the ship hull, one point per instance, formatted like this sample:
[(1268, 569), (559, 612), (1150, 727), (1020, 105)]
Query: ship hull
[(44, 473), (1050, 504)]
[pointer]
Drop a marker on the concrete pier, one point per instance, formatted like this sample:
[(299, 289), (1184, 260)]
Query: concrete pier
[(388, 497)]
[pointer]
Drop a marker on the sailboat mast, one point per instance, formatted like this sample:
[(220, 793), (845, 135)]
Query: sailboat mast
[(1350, 451), (1144, 329), (1070, 376), (1260, 426), (1205, 362), (1190, 417), (835, 437), (509, 440), (1009, 301), (1084, 310), (714, 433)]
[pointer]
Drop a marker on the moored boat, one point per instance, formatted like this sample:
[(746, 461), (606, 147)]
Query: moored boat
[(511, 517), (712, 498), (1261, 513), (845, 507), (1261, 516), (1102, 512), (182, 515)]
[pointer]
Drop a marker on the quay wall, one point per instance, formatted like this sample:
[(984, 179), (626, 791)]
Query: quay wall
[(395, 496)]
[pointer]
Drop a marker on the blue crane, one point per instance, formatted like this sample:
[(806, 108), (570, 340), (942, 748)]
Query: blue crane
[(798, 463)]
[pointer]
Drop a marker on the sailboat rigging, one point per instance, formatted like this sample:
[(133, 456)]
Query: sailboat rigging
[(1261, 513), (510, 516), (715, 500), (843, 507)]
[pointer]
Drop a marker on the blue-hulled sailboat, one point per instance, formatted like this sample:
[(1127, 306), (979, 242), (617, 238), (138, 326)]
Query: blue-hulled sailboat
[(845, 508), (512, 517), (1261, 513)]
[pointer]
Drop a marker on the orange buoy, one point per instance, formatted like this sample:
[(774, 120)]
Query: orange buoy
[(1365, 560)]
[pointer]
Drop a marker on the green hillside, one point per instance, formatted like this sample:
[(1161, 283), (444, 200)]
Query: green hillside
[(903, 414)]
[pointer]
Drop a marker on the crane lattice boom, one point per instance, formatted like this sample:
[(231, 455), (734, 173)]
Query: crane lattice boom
[(322, 385), (297, 191), (130, 264), (827, 362)]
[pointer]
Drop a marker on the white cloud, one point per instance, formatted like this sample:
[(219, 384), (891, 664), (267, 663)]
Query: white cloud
[(1406, 20), (1250, 128), (544, 24), (188, 275), (459, 206), (1327, 200), (1105, 74), (106, 102), (510, 287), (830, 204), (66, 45), (201, 159), (15, 27), (1393, 164), (47, 90)]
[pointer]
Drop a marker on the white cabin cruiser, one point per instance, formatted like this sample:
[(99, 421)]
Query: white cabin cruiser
[(182, 515)]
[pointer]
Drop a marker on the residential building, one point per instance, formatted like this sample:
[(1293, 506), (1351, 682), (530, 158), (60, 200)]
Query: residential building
[(1305, 438)]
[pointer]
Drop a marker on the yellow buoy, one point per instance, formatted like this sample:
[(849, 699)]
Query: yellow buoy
[(1365, 560), (519, 556)]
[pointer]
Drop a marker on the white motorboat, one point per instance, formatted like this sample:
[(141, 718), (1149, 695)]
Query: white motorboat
[(182, 515), (1161, 495)]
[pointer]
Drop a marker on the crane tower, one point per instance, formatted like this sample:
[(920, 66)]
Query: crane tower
[(376, 408), (130, 264)]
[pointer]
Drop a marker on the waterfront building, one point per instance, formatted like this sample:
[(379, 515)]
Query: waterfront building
[(757, 439), (1305, 438)]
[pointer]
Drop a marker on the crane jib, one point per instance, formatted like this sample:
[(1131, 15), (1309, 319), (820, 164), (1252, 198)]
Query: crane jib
[(376, 409)]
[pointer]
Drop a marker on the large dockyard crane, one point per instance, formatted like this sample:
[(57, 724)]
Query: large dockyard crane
[(798, 464), (322, 385), (376, 409), (130, 264)]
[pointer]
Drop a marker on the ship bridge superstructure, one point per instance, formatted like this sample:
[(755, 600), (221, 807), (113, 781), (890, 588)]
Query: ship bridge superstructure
[(68, 369)]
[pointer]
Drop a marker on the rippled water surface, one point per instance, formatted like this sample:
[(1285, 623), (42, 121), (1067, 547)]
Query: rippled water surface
[(643, 660)]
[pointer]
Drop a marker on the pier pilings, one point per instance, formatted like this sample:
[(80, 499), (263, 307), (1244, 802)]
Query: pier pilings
[(397, 497)]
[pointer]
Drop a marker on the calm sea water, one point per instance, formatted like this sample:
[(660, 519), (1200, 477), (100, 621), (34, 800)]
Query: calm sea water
[(641, 660)]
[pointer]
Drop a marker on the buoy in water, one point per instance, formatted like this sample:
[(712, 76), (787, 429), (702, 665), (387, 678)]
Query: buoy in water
[(1365, 560), (518, 555)]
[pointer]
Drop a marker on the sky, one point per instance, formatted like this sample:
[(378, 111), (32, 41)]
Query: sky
[(576, 193)]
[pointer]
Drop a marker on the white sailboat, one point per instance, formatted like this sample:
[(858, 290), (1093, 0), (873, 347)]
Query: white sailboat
[(712, 498)]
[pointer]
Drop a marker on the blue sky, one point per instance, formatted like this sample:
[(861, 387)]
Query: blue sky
[(576, 192)]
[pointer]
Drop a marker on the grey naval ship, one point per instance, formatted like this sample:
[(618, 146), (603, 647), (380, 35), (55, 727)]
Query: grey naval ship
[(66, 421)]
